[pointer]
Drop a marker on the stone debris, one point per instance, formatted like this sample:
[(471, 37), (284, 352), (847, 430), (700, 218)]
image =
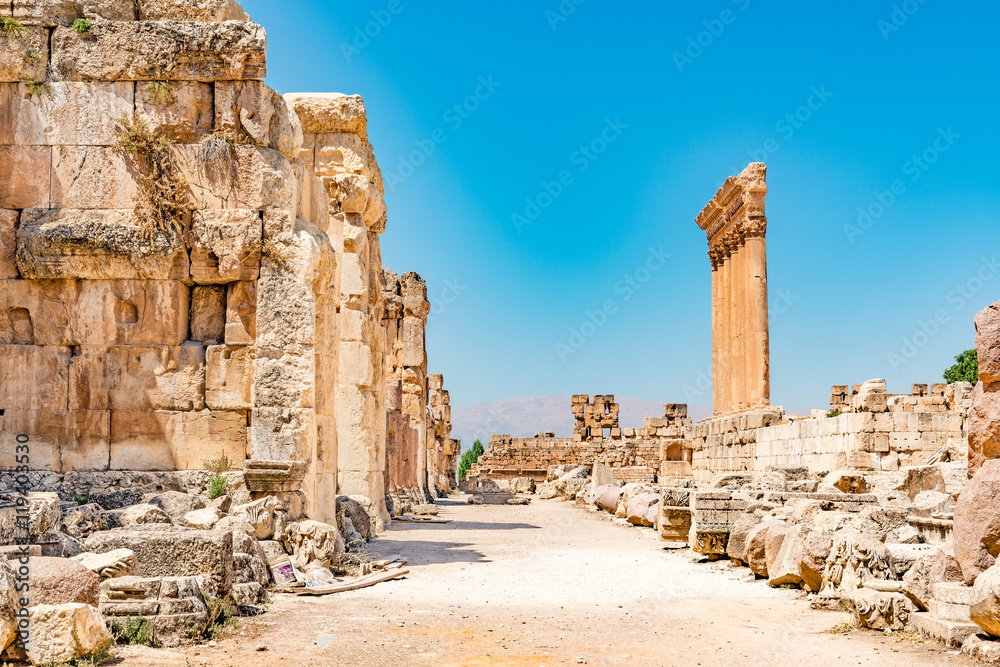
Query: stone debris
[(62, 632)]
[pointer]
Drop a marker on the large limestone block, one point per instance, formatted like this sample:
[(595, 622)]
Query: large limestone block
[(60, 581), (163, 551), (139, 514), (977, 524), (64, 12), (8, 244), (208, 313), (241, 313), (348, 192), (92, 177), (871, 397), (177, 110), (25, 57), (988, 343), (95, 244), (639, 507), (985, 604), (64, 113), (225, 245), (250, 108), (984, 426), (60, 633), (101, 312), (321, 113), (176, 504), (220, 175), (33, 377), (286, 313), (229, 377), (736, 546), (138, 378), (283, 434), (285, 378), (25, 175), (190, 10), (922, 478), (168, 440), (160, 51), (345, 153), (846, 481), (60, 441)]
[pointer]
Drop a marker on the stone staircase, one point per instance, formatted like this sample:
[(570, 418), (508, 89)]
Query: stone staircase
[(947, 620)]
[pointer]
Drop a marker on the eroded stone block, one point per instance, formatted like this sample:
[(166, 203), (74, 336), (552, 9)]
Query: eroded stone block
[(8, 244), (59, 441), (241, 313), (229, 377), (92, 177), (178, 110), (160, 51), (24, 175), (285, 377), (167, 440), (190, 10), (138, 378), (225, 245), (25, 56), (283, 434), (208, 313), (64, 12)]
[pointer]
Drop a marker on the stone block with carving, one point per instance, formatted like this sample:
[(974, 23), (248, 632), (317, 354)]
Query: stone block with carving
[(116, 563)]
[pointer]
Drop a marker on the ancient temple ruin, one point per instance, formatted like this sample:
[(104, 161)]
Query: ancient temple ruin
[(736, 226), (191, 268)]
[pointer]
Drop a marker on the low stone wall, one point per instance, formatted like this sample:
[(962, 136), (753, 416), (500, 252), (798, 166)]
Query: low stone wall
[(884, 432)]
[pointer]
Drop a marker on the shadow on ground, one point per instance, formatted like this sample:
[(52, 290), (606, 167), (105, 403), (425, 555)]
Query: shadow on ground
[(430, 552)]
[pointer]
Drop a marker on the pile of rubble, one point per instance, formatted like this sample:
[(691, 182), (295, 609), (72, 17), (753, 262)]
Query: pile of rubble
[(167, 559)]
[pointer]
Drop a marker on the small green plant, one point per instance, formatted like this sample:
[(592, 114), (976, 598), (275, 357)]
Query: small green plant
[(161, 92), (82, 498), (133, 631), (220, 617), (217, 483), (34, 87), (35, 57), (966, 368), (833, 413), (10, 27), (91, 659), (82, 25)]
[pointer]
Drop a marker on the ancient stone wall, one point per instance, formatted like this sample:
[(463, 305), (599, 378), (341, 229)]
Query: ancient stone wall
[(190, 262), (634, 454), (442, 450), (880, 432), (984, 417)]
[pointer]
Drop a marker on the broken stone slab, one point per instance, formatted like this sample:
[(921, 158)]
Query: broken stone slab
[(202, 519), (175, 606), (81, 521), (59, 545), (162, 551), (879, 610), (757, 544), (160, 51), (984, 609), (116, 563), (845, 481), (62, 632), (736, 546), (813, 557), (785, 570), (56, 581), (639, 507), (522, 485), (270, 476), (323, 113), (176, 504), (137, 515)]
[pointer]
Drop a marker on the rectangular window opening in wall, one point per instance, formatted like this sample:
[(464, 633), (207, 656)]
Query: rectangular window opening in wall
[(605, 432)]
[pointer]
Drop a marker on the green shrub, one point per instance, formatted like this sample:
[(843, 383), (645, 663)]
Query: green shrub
[(34, 87), (10, 27), (82, 498), (833, 413), (966, 368), (217, 486), (82, 25), (219, 618), (217, 483), (133, 631)]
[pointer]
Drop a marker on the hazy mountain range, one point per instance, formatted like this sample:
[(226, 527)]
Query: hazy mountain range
[(524, 415)]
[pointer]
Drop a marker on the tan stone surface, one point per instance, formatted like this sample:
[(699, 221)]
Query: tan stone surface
[(26, 56), (8, 244), (62, 632), (34, 378), (161, 51), (283, 434), (208, 313), (95, 244), (24, 176), (60, 441), (330, 112), (138, 378), (178, 110), (229, 377), (285, 377), (92, 177), (101, 312), (223, 176), (190, 10), (64, 12), (241, 313), (168, 440)]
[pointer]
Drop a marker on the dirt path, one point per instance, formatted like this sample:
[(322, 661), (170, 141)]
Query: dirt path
[(549, 584)]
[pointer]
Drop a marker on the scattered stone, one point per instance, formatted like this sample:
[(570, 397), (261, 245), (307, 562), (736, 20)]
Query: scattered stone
[(757, 539), (736, 547), (846, 481), (522, 485), (62, 632), (56, 581), (639, 508), (519, 500), (985, 608), (813, 557), (81, 521), (116, 563), (203, 519), (312, 543), (922, 478), (425, 509), (879, 610), (137, 515), (177, 504), (785, 569)]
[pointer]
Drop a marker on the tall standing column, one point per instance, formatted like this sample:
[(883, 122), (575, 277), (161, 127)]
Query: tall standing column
[(724, 337), (736, 337), (760, 387), (716, 330)]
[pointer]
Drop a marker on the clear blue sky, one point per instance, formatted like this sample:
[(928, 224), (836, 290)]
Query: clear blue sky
[(677, 117)]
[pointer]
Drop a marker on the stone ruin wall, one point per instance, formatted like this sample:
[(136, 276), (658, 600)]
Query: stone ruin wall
[(254, 327), (633, 454), (443, 451), (877, 431)]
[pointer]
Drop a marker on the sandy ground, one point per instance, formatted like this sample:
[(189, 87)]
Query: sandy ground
[(547, 584)]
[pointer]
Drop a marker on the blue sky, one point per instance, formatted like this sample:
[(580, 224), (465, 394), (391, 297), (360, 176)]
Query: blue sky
[(587, 137)]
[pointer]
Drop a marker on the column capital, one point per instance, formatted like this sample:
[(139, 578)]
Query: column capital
[(754, 227)]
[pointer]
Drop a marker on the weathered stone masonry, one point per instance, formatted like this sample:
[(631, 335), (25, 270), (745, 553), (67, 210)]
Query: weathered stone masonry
[(256, 330)]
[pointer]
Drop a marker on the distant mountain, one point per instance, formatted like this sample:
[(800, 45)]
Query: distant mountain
[(524, 415)]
